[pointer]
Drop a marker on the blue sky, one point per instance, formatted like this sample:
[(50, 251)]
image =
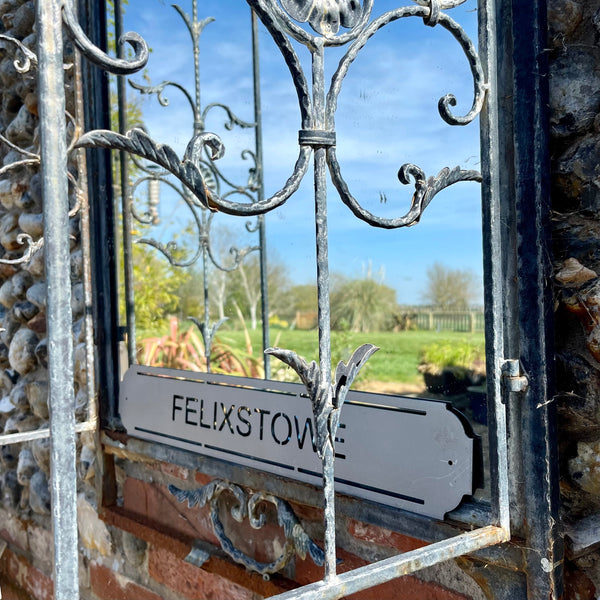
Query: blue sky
[(387, 116)]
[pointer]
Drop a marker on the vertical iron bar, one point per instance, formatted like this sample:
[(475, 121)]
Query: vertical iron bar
[(538, 420), (198, 124), (102, 219), (207, 333), (493, 276), (127, 217), (260, 196), (63, 477), (90, 366), (320, 177)]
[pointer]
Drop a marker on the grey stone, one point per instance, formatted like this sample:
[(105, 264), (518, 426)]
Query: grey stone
[(18, 396), (11, 326), (11, 490), (134, 548), (26, 466), (39, 495), (37, 394), (21, 283), (564, 17), (77, 264), (81, 402), (7, 408), (41, 452), (33, 224), (574, 91), (7, 295), (9, 194), (37, 295), (41, 353), (21, 129), (577, 177), (85, 467), (21, 353), (9, 455), (23, 20), (24, 311), (77, 300)]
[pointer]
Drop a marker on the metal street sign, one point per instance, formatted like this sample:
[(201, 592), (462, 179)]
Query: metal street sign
[(409, 453)]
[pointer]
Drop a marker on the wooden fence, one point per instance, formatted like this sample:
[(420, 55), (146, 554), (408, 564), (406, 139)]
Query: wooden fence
[(432, 320)]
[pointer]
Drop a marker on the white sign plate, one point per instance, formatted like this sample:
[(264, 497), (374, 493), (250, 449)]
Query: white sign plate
[(409, 453)]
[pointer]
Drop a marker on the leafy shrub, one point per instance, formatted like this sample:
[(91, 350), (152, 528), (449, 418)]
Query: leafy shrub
[(464, 356), (176, 350)]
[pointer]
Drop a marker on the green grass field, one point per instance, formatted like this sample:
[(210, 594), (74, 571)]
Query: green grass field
[(396, 361)]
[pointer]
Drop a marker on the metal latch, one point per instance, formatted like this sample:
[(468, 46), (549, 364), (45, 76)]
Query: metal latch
[(512, 377)]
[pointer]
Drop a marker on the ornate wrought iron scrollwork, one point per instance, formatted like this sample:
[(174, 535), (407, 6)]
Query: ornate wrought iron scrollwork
[(247, 506), (201, 176), (334, 23)]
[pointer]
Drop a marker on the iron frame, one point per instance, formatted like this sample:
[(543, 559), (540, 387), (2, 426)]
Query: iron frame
[(509, 23)]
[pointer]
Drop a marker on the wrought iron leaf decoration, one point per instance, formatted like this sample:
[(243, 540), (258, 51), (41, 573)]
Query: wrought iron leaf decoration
[(319, 392), (324, 16), (141, 144), (208, 333), (326, 400), (345, 373)]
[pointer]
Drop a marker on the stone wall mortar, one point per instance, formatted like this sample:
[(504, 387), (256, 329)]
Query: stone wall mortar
[(574, 36)]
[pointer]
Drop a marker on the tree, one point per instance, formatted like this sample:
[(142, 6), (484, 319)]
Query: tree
[(365, 304), (450, 289), (245, 289), (155, 288)]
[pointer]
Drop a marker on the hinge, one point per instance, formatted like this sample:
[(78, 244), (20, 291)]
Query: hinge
[(512, 377)]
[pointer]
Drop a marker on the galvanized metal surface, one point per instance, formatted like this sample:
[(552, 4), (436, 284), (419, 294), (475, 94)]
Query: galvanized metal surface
[(363, 578), (317, 137), (53, 152)]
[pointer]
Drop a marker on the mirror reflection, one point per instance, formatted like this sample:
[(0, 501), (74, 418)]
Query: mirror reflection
[(210, 291)]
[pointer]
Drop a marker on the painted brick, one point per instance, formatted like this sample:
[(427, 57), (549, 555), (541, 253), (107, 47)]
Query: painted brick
[(383, 537), (202, 479), (23, 575), (13, 530), (108, 585), (307, 513), (192, 582), (404, 588), (175, 471), (9, 592), (155, 503)]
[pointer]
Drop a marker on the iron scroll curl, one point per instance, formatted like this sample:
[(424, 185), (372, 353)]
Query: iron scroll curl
[(280, 24)]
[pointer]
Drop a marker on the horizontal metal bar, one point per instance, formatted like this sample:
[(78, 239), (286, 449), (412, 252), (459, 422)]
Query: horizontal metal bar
[(374, 574), (39, 434)]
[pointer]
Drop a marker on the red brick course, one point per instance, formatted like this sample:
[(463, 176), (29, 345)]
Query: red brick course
[(21, 574), (155, 503), (383, 537), (109, 586), (192, 582)]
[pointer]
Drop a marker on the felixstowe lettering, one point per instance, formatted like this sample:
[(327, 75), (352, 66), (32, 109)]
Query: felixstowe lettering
[(268, 425), (243, 421)]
